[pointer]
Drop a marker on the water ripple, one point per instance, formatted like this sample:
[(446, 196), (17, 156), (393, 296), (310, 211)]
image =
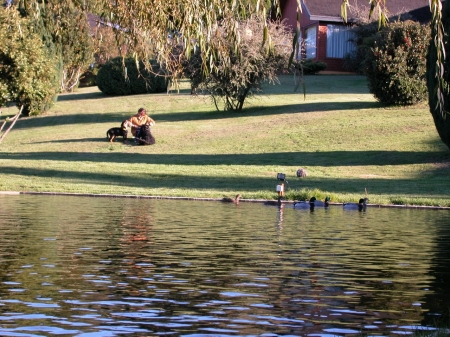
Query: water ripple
[(160, 267)]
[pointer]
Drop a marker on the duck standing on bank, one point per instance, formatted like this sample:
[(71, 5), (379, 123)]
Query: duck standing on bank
[(360, 206)]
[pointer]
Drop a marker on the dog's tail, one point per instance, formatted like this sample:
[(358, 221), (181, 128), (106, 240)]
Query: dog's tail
[(107, 136)]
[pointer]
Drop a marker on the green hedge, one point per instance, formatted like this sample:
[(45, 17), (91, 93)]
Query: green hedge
[(114, 79), (311, 67)]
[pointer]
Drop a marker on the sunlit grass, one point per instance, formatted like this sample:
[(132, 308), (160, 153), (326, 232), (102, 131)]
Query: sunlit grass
[(347, 142)]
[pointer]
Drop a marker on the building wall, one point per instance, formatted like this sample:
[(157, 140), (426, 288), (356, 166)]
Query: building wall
[(289, 10)]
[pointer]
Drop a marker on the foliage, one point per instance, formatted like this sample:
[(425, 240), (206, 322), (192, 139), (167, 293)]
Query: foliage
[(442, 122), (89, 77), (364, 38), (44, 25), (26, 70), (396, 65), (122, 77), (66, 33), (311, 67), (243, 70), (77, 47), (106, 46), (148, 34)]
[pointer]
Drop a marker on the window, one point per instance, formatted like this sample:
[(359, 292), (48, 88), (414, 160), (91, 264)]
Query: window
[(338, 41), (310, 42)]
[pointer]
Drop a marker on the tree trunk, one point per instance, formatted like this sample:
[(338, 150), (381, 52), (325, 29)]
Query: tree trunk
[(13, 121)]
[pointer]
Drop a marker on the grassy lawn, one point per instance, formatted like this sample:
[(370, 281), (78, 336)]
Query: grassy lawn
[(340, 134)]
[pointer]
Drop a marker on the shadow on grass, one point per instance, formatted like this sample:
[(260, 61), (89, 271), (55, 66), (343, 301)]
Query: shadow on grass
[(81, 96), (327, 159), (330, 84), (408, 187), (255, 111), (113, 118), (77, 140), (118, 117)]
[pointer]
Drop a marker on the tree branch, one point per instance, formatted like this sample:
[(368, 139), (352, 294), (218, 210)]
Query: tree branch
[(14, 120)]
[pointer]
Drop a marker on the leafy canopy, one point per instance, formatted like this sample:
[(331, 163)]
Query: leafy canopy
[(249, 65), (26, 70)]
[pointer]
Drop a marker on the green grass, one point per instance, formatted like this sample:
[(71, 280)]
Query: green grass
[(344, 138)]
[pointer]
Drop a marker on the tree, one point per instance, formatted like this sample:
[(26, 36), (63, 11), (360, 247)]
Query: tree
[(441, 121), (250, 64), (43, 25), (77, 46), (26, 70), (187, 24)]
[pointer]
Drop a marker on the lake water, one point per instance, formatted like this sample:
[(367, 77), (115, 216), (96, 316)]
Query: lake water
[(83, 266)]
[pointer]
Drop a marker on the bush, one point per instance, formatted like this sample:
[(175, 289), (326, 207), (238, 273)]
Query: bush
[(113, 79), (396, 65), (311, 67)]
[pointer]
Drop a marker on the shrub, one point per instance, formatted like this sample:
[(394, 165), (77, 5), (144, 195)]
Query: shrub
[(396, 64), (311, 67), (122, 77)]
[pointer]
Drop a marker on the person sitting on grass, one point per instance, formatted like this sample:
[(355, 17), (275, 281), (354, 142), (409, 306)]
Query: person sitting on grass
[(141, 118)]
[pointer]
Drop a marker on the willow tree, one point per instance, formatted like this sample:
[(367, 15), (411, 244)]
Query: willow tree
[(250, 68), (172, 29), (163, 29), (438, 98)]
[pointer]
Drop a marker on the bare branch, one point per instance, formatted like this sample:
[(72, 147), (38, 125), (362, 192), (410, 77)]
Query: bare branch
[(13, 120)]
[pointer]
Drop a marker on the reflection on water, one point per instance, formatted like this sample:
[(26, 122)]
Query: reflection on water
[(84, 266)]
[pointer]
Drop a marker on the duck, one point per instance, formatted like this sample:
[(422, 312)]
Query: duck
[(324, 203), (233, 200), (360, 206), (303, 204)]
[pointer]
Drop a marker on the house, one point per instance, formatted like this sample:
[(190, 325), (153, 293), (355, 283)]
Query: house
[(326, 37)]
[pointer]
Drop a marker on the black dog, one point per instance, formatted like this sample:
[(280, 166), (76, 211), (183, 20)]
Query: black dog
[(115, 132), (144, 136)]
